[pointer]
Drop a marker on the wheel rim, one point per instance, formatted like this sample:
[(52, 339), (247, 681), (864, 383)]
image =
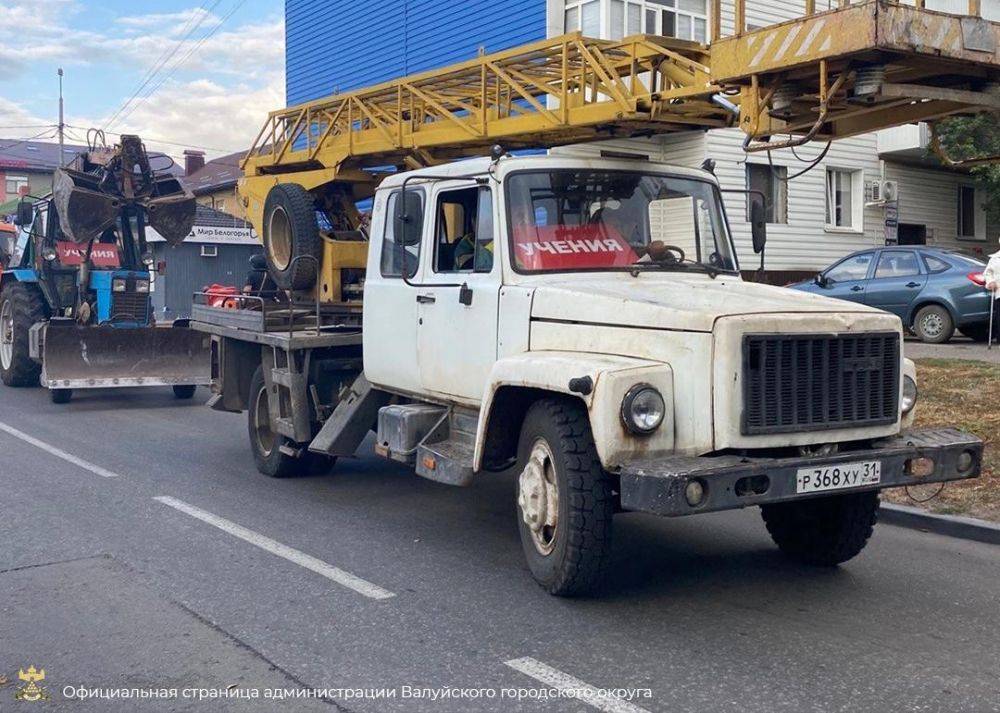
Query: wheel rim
[(538, 497), (262, 432), (932, 325), (6, 335), (279, 238)]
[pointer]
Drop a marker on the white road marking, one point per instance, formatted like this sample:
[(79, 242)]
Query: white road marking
[(52, 450), (564, 682), (276, 548)]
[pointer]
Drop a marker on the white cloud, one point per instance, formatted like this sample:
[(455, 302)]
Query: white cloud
[(217, 97)]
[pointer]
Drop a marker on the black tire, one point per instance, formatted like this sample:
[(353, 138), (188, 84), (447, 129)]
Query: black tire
[(570, 558), (184, 391), (933, 324), (61, 396), (823, 531), (266, 446), (26, 307), (291, 231)]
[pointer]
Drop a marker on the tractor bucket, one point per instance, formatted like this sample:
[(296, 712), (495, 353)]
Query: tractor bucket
[(76, 357), (84, 211), (172, 213)]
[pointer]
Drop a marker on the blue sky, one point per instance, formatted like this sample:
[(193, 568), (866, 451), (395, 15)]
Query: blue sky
[(219, 68)]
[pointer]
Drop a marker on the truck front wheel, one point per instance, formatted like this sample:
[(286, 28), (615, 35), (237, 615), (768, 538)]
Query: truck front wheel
[(266, 444), (564, 499), (823, 531)]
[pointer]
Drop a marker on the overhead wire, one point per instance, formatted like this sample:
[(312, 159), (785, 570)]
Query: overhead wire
[(165, 57), (179, 63)]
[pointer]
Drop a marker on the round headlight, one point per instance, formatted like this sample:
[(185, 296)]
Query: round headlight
[(909, 394), (643, 409), (49, 254)]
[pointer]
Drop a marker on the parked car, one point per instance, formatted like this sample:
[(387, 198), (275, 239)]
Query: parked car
[(933, 290)]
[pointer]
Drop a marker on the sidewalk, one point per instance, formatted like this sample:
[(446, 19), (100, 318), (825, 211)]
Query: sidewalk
[(958, 348)]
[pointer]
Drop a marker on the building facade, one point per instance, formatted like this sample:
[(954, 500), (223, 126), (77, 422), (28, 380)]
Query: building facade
[(26, 168), (213, 183), (217, 251), (815, 218)]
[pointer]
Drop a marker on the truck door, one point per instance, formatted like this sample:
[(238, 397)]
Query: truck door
[(390, 323), (897, 281), (458, 298)]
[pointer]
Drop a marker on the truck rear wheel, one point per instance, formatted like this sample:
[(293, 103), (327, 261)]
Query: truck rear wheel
[(290, 232), (21, 306), (565, 502), (266, 445), (823, 531)]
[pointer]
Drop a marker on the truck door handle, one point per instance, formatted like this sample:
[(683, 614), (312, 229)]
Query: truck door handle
[(857, 288), (913, 284), (426, 299)]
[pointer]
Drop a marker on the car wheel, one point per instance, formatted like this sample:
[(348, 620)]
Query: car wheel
[(933, 324)]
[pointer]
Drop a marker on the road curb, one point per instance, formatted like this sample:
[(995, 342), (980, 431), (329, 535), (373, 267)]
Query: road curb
[(966, 528)]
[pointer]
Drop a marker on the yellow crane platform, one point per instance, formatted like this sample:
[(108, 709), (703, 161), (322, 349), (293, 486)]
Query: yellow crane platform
[(826, 75)]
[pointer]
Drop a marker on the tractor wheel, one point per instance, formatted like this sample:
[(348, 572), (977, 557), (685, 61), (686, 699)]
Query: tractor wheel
[(61, 396), (185, 391), (21, 306), (292, 243)]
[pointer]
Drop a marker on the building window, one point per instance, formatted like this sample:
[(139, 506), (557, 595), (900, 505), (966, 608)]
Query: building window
[(210, 251), (586, 17), (15, 184), (772, 181), (966, 212), (683, 19), (844, 199)]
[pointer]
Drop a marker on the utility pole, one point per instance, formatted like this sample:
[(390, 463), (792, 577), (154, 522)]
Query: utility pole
[(61, 124)]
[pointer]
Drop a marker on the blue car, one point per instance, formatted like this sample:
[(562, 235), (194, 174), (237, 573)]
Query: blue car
[(933, 290)]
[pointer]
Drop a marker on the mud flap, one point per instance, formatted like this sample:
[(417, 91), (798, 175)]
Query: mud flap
[(76, 357)]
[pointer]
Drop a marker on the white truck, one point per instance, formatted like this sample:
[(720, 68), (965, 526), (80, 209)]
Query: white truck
[(584, 323)]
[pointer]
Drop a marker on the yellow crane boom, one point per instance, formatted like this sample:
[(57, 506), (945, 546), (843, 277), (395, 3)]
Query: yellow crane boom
[(827, 75)]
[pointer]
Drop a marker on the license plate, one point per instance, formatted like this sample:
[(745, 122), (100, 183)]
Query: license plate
[(838, 477)]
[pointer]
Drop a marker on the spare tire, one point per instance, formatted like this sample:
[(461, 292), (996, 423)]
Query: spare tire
[(290, 232)]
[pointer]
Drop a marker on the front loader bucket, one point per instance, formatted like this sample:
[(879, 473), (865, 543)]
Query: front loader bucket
[(172, 216), (76, 357), (84, 211)]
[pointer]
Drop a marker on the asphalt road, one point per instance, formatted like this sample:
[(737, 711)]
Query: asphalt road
[(372, 578)]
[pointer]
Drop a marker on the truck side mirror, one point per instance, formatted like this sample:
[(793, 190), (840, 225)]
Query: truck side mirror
[(408, 218), (25, 214), (758, 222)]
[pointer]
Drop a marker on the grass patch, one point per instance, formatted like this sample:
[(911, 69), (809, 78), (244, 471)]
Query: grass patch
[(965, 394)]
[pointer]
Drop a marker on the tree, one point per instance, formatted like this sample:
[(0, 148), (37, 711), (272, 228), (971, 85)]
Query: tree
[(978, 136)]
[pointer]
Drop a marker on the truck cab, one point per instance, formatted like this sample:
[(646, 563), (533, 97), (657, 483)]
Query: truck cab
[(584, 323)]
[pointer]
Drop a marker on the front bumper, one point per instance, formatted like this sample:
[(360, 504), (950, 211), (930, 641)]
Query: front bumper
[(658, 485)]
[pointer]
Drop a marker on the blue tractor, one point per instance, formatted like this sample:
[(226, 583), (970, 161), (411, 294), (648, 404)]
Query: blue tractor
[(75, 309)]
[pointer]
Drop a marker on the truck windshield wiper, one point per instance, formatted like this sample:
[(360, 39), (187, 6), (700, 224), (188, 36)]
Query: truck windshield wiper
[(710, 270)]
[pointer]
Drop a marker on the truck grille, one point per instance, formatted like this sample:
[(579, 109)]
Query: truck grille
[(808, 382), (130, 307)]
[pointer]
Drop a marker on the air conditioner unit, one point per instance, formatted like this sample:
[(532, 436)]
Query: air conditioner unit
[(879, 192), (889, 191)]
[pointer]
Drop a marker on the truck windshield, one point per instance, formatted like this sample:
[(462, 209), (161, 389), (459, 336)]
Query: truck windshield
[(576, 220)]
